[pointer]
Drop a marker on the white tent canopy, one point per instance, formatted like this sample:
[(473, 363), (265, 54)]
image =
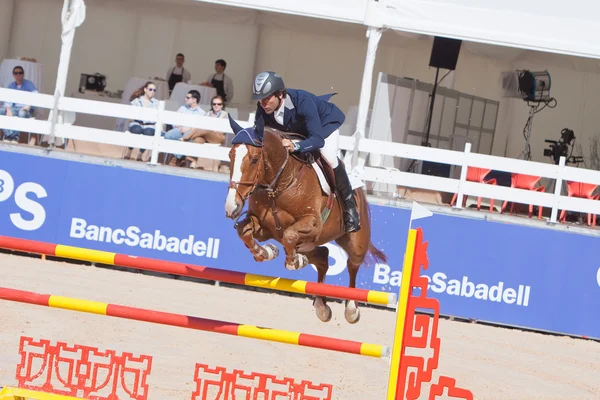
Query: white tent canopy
[(337, 10), (553, 26)]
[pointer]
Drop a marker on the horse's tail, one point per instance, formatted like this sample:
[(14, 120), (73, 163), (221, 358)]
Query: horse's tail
[(374, 253), (377, 254)]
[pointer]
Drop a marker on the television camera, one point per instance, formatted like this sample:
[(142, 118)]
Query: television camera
[(534, 88), (560, 148)]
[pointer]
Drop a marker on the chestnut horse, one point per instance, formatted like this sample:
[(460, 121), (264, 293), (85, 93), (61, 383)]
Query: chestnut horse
[(285, 203)]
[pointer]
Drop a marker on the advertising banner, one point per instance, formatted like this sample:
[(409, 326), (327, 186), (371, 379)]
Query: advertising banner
[(497, 272)]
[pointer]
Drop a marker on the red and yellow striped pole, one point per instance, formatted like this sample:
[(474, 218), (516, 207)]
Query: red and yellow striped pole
[(202, 324), (405, 291), (11, 393), (212, 274)]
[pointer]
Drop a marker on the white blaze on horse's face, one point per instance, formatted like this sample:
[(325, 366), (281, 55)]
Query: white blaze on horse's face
[(232, 206)]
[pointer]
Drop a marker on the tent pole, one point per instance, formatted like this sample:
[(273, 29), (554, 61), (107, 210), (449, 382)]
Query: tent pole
[(72, 16), (374, 35)]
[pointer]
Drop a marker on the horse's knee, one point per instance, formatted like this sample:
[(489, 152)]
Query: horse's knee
[(290, 238), (245, 227)]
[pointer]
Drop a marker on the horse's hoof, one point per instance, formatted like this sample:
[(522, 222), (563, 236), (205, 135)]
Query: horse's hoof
[(352, 313), (324, 314), (300, 261), (271, 251)]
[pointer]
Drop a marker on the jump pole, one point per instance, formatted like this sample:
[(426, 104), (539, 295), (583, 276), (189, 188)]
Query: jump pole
[(201, 324), (212, 274)]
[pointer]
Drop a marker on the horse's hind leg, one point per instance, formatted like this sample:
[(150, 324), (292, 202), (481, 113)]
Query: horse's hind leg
[(320, 258), (355, 245), (248, 229), (352, 312)]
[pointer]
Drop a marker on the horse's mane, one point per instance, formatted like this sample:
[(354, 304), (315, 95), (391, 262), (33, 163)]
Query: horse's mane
[(272, 137), (282, 134)]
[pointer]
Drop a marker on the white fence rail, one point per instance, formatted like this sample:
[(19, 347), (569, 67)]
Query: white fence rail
[(559, 173)]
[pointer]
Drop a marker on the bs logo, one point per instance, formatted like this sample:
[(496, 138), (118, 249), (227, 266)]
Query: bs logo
[(31, 207)]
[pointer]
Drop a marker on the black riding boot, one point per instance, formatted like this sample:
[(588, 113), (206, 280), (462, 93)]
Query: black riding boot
[(344, 190)]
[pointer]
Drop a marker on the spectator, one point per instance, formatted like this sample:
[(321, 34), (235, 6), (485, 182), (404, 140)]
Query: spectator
[(178, 73), (142, 97), (200, 136), (15, 109), (191, 107), (221, 82)]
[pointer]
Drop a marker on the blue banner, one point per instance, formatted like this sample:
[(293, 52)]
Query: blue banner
[(503, 273)]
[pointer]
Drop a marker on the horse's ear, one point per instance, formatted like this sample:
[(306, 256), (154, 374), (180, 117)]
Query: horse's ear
[(259, 127), (234, 125)]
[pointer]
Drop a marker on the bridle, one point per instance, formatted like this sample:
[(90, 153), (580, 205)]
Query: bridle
[(270, 188)]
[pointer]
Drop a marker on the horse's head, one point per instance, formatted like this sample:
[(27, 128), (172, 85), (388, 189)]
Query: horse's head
[(247, 167)]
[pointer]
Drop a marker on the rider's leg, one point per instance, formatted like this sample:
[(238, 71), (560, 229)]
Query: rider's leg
[(342, 183)]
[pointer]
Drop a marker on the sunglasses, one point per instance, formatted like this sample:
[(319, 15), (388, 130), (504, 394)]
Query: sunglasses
[(217, 104), (18, 73)]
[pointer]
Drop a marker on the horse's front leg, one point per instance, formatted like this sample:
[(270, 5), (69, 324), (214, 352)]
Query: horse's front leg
[(249, 229), (300, 236)]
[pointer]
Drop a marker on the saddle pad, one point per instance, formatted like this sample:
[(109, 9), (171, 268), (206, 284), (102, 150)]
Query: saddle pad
[(354, 177)]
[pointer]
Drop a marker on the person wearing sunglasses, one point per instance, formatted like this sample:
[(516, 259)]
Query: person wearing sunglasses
[(15, 109), (191, 106), (217, 108), (142, 97), (200, 136)]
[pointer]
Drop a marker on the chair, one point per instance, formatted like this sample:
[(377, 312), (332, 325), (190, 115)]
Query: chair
[(582, 190), (526, 182), (64, 118), (475, 174)]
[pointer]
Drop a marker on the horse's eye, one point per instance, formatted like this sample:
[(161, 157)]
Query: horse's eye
[(254, 160)]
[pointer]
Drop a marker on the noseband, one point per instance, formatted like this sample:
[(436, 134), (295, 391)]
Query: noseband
[(269, 188)]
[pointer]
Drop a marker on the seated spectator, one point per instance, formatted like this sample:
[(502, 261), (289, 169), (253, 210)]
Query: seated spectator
[(205, 136), (191, 107), (15, 109), (221, 82), (142, 97)]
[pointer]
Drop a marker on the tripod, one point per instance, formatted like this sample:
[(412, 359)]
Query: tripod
[(526, 153), (425, 140)]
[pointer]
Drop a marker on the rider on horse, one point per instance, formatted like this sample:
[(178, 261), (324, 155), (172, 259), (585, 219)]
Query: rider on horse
[(301, 112)]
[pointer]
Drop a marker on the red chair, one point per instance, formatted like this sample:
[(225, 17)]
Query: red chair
[(582, 190), (475, 174), (526, 182)]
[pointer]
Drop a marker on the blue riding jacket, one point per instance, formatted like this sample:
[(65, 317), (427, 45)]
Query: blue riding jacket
[(308, 115)]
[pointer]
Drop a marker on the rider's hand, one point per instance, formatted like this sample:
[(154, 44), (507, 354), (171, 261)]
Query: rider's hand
[(289, 145)]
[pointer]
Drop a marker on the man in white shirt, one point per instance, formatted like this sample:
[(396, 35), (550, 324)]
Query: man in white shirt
[(221, 82), (191, 106), (177, 73)]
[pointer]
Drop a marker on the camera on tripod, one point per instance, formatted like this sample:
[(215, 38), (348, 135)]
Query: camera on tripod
[(560, 148)]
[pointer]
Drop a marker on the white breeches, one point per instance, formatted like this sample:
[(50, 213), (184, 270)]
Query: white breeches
[(330, 148)]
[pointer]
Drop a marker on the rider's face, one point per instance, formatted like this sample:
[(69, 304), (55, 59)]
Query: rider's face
[(271, 103)]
